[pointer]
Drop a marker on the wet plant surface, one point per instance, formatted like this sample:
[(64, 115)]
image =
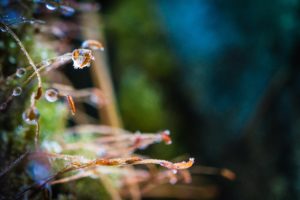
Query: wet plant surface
[(41, 152)]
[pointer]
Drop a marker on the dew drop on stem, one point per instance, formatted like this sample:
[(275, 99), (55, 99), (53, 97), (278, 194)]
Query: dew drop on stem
[(31, 116), (20, 72), (17, 91), (51, 95)]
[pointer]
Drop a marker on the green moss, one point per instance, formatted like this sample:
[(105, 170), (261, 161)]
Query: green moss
[(141, 103), (53, 118)]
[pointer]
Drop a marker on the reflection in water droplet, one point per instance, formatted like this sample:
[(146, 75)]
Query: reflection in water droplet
[(82, 58), (51, 95), (20, 72), (31, 116), (17, 91), (51, 6)]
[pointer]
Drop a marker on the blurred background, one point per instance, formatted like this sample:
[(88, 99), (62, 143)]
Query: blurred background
[(223, 76)]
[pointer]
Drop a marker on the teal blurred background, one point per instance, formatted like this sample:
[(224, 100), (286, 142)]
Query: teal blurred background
[(223, 76)]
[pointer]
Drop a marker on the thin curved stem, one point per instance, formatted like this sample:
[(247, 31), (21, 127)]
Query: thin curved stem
[(27, 56)]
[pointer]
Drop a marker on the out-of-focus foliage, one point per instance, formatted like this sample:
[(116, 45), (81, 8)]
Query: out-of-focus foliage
[(136, 93), (51, 127), (237, 89), (142, 64)]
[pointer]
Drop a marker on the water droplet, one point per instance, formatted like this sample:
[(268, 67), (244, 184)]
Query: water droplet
[(67, 11), (20, 72), (50, 6), (82, 58), (51, 95), (31, 116), (17, 91), (2, 29), (92, 44), (94, 100)]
